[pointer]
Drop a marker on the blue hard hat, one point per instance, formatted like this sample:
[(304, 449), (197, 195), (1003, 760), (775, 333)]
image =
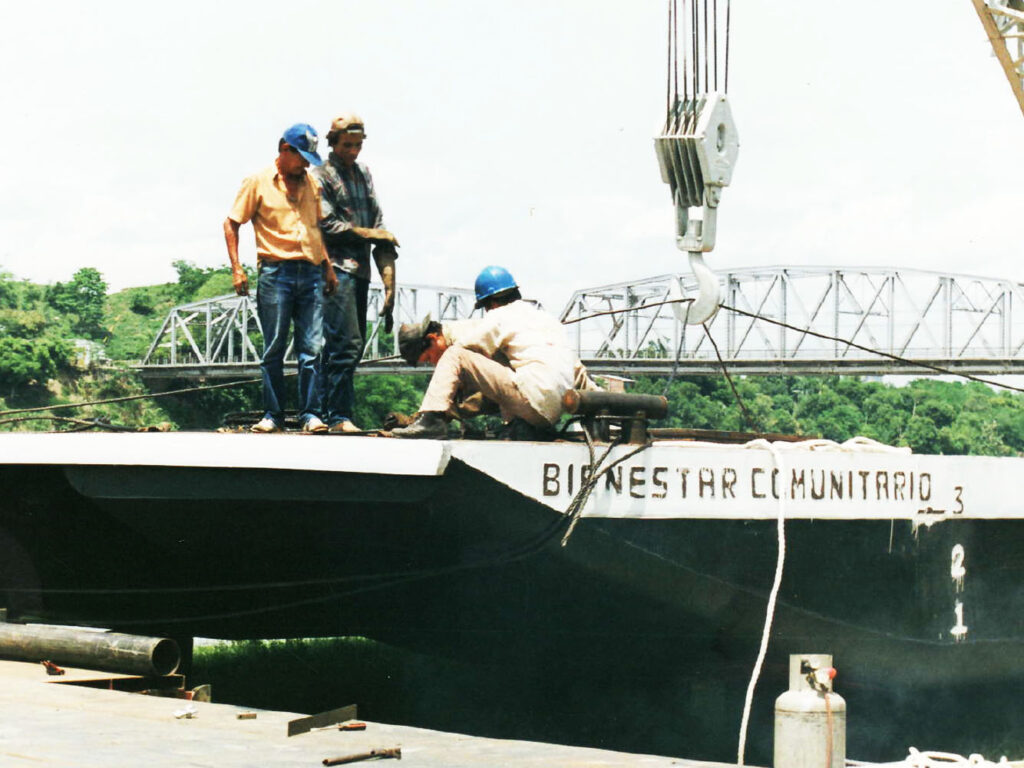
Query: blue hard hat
[(491, 281), (303, 138)]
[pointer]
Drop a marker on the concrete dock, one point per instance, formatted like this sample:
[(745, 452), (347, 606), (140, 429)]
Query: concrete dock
[(51, 722)]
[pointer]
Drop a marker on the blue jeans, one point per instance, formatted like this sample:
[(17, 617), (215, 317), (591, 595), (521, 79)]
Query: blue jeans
[(290, 291), (344, 337)]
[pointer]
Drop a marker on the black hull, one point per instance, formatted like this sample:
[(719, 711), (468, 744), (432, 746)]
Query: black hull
[(461, 565)]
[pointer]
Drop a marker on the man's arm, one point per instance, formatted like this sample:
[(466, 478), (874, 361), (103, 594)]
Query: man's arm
[(238, 277), (335, 223), (384, 255), (330, 277), (375, 235)]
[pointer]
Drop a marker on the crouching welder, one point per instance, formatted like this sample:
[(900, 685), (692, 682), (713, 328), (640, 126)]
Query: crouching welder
[(517, 356)]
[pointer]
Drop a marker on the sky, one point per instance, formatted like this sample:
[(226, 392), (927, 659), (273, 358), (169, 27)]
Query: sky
[(515, 133)]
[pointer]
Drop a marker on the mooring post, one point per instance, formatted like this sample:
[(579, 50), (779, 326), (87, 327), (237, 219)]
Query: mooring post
[(810, 719)]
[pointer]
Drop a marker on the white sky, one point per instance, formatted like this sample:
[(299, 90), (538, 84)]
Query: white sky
[(516, 133)]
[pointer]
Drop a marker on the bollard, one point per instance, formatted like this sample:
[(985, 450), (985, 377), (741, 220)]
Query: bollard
[(810, 720)]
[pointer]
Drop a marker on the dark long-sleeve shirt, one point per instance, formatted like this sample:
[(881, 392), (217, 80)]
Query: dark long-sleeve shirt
[(347, 200)]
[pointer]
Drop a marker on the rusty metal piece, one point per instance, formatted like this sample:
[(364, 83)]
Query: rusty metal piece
[(373, 754), (351, 725), (724, 436), (330, 718), (246, 716), (51, 668), (200, 693)]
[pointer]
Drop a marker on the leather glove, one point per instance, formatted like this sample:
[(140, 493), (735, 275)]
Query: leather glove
[(396, 419)]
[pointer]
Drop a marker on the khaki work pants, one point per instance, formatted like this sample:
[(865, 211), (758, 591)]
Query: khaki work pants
[(462, 371)]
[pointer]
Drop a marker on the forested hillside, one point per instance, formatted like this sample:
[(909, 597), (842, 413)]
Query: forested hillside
[(71, 342)]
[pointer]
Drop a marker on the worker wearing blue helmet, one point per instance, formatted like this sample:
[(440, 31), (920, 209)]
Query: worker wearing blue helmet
[(539, 369), (492, 281)]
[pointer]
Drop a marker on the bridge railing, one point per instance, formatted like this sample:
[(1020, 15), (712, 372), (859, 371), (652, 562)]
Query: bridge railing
[(225, 333), (960, 322)]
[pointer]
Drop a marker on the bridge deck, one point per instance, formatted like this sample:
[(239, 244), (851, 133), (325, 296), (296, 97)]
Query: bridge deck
[(641, 366)]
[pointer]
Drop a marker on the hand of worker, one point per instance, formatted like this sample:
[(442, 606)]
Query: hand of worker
[(388, 310), (330, 280), (240, 280)]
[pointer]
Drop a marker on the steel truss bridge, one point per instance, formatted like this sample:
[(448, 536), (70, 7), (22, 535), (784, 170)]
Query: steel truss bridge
[(961, 323)]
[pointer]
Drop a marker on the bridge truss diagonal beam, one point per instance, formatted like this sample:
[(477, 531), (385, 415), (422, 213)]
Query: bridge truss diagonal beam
[(1004, 25)]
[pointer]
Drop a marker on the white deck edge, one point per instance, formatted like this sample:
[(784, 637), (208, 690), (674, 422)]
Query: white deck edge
[(318, 453)]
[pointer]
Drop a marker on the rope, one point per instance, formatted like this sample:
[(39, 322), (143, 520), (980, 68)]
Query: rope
[(128, 398), (934, 759), (728, 377), (770, 609), (628, 309), (575, 509), (80, 424), (679, 353), (828, 728)]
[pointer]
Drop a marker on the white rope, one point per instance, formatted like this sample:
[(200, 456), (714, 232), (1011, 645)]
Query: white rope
[(857, 444), (933, 759), (770, 610)]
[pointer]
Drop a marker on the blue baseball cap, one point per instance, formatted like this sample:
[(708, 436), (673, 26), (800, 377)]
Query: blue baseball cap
[(303, 137)]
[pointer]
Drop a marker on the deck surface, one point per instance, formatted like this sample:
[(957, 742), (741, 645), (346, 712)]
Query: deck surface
[(45, 724)]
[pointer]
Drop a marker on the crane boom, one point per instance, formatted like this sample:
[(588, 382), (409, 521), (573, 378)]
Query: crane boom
[(1004, 25)]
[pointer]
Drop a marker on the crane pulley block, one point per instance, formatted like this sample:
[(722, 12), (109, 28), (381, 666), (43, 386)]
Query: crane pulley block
[(697, 151)]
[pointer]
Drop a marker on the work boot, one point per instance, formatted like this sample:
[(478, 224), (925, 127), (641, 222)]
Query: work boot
[(431, 425), (264, 426), (314, 424), (345, 425)]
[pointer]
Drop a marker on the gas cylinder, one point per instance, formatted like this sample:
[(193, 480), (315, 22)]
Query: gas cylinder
[(810, 719)]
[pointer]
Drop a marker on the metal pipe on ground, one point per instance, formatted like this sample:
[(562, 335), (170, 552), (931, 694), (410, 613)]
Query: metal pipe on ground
[(92, 649), (587, 402)]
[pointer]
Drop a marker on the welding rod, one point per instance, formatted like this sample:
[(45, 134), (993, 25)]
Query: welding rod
[(373, 754)]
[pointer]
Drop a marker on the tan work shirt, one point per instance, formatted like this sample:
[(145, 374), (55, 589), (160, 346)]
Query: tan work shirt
[(285, 228), (536, 348), (455, 331)]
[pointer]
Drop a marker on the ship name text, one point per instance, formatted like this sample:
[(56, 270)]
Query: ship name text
[(644, 482)]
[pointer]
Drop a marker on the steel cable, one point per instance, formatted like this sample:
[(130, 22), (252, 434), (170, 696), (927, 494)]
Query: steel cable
[(880, 353), (728, 20)]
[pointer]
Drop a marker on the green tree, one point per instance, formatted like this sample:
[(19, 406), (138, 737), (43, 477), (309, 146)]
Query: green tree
[(198, 283), (8, 290), (377, 396), (23, 323), (84, 298), (190, 278), (28, 363)]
